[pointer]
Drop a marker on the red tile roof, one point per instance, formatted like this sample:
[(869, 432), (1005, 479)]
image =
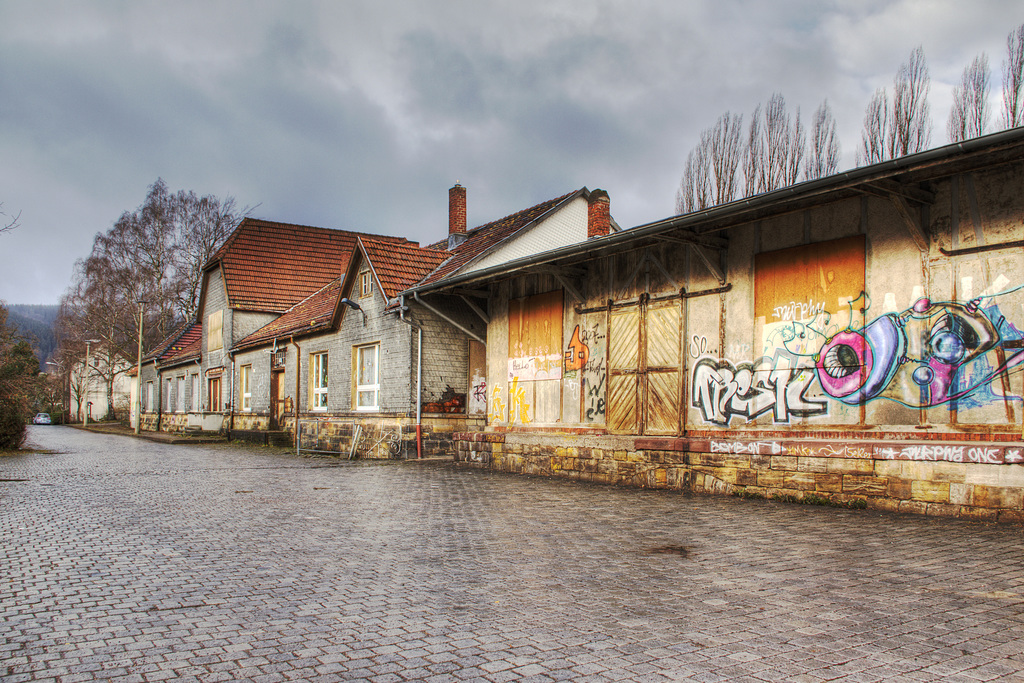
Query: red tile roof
[(186, 348), (482, 239), (398, 266), (271, 266), (315, 313), (185, 343)]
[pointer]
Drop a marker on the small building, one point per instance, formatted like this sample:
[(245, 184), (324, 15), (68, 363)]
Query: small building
[(302, 333), (853, 340)]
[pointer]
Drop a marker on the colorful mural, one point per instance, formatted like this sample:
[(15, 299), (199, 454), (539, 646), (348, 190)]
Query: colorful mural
[(928, 355), (931, 354)]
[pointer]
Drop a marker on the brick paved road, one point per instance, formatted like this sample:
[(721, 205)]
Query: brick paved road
[(136, 561)]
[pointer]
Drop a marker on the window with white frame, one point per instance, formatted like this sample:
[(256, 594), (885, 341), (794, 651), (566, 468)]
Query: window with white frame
[(180, 398), (245, 387), (318, 376), (169, 403), (149, 397), (367, 377), (365, 283), (196, 405)]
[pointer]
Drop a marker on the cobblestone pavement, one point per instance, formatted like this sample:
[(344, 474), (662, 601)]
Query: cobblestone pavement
[(136, 561)]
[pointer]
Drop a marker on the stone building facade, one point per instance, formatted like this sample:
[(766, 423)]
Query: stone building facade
[(854, 340)]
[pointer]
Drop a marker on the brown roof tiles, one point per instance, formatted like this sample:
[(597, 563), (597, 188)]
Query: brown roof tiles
[(271, 266)]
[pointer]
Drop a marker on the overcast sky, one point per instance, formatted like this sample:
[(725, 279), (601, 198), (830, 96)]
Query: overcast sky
[(361, 115)]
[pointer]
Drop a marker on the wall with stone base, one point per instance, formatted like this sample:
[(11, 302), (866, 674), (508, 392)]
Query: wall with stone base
[(972, 479), (383, 436)]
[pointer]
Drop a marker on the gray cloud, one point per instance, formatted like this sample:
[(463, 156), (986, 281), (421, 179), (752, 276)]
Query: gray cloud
[(360, 115)]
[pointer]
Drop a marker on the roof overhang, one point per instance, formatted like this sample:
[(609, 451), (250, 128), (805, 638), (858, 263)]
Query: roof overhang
[(901, 180)]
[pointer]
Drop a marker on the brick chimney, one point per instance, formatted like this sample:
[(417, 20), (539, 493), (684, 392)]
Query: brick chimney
[(598, 214), (456, 216), (456, 209)]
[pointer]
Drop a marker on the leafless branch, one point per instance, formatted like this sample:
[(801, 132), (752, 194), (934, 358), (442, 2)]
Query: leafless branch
[(823, 159), (1013, 79), (968, 116)]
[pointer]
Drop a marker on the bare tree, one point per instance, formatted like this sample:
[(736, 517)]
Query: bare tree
[(201, 226), (902, 125), (910, 130), (1013, 79), (782, 146), (709, 177), (156, 253), (823, 158), (695, 188), (876, 126), (753, 155), (797, 151), (726, 152), (969, 114)]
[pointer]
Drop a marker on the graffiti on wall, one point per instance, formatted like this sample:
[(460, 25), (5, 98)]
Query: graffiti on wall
[(986, 454), (518, 404), (578, 353), (594, 371), (931, 354), (478, 394), (496, 413), (779, 383), (927, 355)]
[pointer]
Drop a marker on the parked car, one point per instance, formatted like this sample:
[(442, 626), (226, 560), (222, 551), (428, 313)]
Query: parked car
[(41, 419)]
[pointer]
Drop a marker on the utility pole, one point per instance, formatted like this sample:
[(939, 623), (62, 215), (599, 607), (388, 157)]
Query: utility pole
[(88, 405), (138, 376)]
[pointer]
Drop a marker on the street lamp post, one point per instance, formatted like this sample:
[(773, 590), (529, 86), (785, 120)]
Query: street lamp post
[(65, 402), (88, 343), (138, 376)]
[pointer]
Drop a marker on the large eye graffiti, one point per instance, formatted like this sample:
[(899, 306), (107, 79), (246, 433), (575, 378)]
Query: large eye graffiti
[(951, 339), (857, 365)]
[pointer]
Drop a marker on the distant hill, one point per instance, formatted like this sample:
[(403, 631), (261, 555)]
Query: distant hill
[(35, 323)]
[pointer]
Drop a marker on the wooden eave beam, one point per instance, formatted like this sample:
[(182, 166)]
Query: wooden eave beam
[(885, 187), (712, 267), (918, 235), (557, 273)]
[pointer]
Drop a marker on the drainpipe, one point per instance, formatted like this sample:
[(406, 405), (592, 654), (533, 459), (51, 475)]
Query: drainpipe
[(159, 396), (231, 396), (419, 375), (298, 374)]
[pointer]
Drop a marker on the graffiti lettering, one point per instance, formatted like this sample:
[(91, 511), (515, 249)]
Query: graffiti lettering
[(798, 310), (530, 368), (596, 413), (747, 447), (723, 391), (497, 412), (478, 395), (828, 451), (573, 386), (594, 373), (698, 346), (518, 408)]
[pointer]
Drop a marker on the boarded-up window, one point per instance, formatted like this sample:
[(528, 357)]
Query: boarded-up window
[(802, 292), (535, 358), (215, 331)]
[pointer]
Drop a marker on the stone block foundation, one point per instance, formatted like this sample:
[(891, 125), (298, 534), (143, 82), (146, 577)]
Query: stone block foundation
[(972, 479)]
